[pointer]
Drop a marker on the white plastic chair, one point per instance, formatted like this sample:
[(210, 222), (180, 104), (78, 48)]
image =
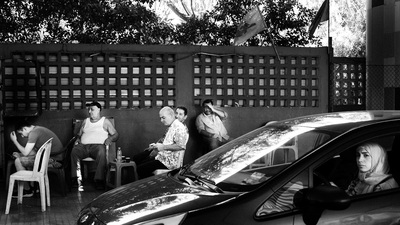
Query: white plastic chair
[(290, 145), (38, 174), (268, 159)]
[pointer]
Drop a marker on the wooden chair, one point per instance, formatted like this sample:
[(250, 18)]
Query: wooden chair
[(38, 174), (85, 163)]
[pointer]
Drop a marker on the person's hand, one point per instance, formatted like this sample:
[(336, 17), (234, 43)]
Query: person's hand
[(209, 105), (152, 146), (108, 141), (16, 155), (77, 141), (13, 136), (159, 146), (153, 153)]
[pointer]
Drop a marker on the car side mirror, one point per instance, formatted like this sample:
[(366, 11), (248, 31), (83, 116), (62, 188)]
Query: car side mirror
[(313, 201)]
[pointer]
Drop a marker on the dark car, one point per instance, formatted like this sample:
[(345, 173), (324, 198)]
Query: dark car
[(294, 171)]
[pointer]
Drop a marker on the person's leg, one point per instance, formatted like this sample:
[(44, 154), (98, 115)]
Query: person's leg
[(19, 167), (141, 157), (78, 152), (98, 152), (18, 164), (25, 163), (211, 143), (214, 143), (146, 169)]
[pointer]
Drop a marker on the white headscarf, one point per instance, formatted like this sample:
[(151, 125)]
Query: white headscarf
[(379, 168)]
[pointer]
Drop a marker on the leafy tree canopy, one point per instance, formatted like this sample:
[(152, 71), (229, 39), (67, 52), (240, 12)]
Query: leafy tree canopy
[(287, 23), (81, 21), (205, 22)]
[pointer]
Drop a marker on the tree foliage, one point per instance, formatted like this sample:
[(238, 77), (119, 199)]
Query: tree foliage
[(347, 26), (287, 23), (205, 22), (82, 21)]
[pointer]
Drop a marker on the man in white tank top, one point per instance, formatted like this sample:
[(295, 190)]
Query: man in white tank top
[(95, 134)]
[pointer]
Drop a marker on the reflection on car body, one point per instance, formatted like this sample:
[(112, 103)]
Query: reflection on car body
[(383, 216), (275, 174)]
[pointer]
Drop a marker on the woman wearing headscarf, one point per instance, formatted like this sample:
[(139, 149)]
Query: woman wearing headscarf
[(373, 171)]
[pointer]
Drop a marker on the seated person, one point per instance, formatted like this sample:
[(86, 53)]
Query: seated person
[(36, 137), (181, 114), (95, 134), (373, 171), (168, 152)]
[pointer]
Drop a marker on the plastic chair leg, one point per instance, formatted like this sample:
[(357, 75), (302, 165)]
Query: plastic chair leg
[(47, 188), (9, 195), (42, 195), (20, 192)]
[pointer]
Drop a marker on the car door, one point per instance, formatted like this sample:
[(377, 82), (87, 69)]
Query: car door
[(266, 206), (381, 207)]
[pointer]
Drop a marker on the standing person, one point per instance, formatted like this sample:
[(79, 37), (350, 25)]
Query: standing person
[(96, 132), (181, 113), (37, 136), (373, 171), (209, 124), (168, 152)]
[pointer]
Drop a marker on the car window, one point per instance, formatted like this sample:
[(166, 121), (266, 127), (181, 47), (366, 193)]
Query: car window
[(363, 168), (278, 144), (272, 163), (340, 171), (291, 150), (282, 199)]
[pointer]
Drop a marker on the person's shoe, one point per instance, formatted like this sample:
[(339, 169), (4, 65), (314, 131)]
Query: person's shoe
[(77, 183), (80, 188), (34, 188), (27, 193)]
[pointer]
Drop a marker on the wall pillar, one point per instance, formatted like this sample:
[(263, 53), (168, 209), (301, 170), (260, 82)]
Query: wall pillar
[(383, 50)]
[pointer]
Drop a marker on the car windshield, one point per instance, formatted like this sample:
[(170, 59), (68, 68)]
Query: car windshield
[(262, 153)]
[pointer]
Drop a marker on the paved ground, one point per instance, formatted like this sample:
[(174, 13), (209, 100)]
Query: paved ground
[(63, 210)]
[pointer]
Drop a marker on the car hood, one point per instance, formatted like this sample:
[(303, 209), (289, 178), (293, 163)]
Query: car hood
[(151, 198)]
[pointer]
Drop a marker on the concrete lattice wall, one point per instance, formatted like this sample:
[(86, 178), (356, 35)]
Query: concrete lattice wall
[(133, 82)]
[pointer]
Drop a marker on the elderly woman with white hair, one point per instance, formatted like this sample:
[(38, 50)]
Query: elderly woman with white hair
[(373, 171)]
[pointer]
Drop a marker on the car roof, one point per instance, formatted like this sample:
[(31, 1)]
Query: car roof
[(339, 122)]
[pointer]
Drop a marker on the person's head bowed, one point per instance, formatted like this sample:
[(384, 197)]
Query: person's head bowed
[(167, 115), (23, 128)]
